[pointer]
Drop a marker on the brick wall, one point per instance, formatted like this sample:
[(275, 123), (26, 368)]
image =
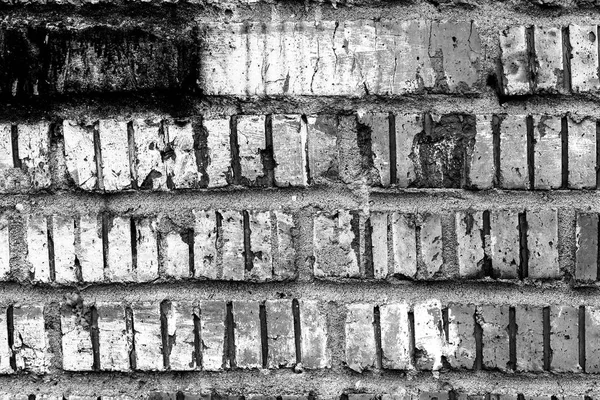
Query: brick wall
[(282, 200)]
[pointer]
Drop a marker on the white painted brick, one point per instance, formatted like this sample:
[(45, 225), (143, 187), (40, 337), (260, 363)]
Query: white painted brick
[(212, 328), (360, 337), (182, 169), (284, 255), (149, 167), (404, 245), (584, 58), (515, 61), (260, 246), (504, 246), (248, 347), (582, 154), (218, 151), (34, 147), (80, 155), (432, 244), (548, 46), (114, 148), (6, 151), (289, 150), (380, 143), (119, 260), (30, 343), (379, 244), (77, 352), (313, 323), (407, 127), (89, 249), (396, 347), (323, 151), (482, 170), (147, 251), (4, 248), (470, 254), (5, 350), (513, 153), (64, 249), (547, 152), (115, 341), (148, 338), (429, 336), (252, 142), (180, 327), (280, 334), (332, 241), (205, 248), (233, 245), (37, 247), (175, 255), (542, 242)]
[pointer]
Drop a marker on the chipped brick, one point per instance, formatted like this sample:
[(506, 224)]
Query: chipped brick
[(248, 350), (332, 241), (360, 337), (542, 241), (315, 352), (396, 343), (80, 156)]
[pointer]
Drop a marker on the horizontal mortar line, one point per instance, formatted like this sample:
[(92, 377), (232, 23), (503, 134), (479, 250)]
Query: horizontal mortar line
[(321, 382), (339, 291)]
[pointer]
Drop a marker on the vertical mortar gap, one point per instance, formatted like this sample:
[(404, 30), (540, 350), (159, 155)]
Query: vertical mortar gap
[(10, 327), (219, 243), (566, 59), (165, 310), (368, 249), (496, 149), (95, 337), (230, 336), (598, 154), (411, 335), (392, 142), (512, 337), (564, 141), (264, 338), (132, 155), (98, 153), (304, 122), (546, 332), (236, 166), (191, 257), (485, 242), (197, 356), (50, 236), (530, 152), (581, 338), (133, 233), (445, 323), (180, 396), (297, 330), (105, 242), (77, 230), (598, 251), (269, 159), (129, 324), (418, 250), (248, 262), (377, 332), (530, 37), (14, 141), (523, 250), (478, 333)]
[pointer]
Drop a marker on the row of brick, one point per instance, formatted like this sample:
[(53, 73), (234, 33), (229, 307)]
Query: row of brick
[(417, 395), (407, 150), (215, 335), (507, 244)]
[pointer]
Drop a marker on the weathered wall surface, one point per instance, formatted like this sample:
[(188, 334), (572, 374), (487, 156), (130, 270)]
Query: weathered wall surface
[(280, 200)]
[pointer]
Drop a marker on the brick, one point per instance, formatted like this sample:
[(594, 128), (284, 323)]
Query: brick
[(182, 167), (212, 328), (284, 252), (260, 246), (281, 340), (332, 241), (77, 352), (584, 58), (378, 126), (205, 249), (37, 247), (542, 242), (11, 178), (180, 318), (548, 47), (592, 339), (469, 237), (251, 137), (119, 261), (5, 252), (360, 337), (530, 338), (379, 244), (289, 144), (434, 396), (63, 239), (404, 245), (313, 343), (34, 149), (481, 168), (431, 244), (461, 335), (248, 348), (146, 261), (80, 156), (430, 339), (547, 152), (582, 153), (5, 350), (493, 321), (89, 248), (408, 126), (175, 255), (323, 136), (148, 336), (30, 342), (396, 333), (115, 340), (586, 250), (515, 61), (217, 161), (514, 173), (564, 339), (504, 246), (233, 245), (114, 148), (150, 145)]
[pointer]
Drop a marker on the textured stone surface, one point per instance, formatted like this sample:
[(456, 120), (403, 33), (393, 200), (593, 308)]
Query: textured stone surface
[(324, 148), (119, 262), (77, 352), (564, 339), (251, 137), (378, 126), (379, 244), (504, 246), (530, 338), (547, 152), (248, 350), (180, 330), (404, 245), (182, 167), (37, 247), (332, 240), (148, 338), (313, 344), (114, 148), (175, 254), (289, 150), (115, 340), (470, 251), (34, 147), (515, 61), (542, 242), (493, 321), (150, 145), (217, 160), (233, 245), (584, 58), (548, 45), (89, 248), (396, 332), (582, 153), (284, 251), (592, 339), (408, 126), (430, 339), (586, 251), (30, 342), (260, 246), (205, 244), (481, 169), (80, 155), (146, 246), (514, 173), (431, 244), (280, 334), (360, 337), (63, 239), (461, 334), (212, 326)]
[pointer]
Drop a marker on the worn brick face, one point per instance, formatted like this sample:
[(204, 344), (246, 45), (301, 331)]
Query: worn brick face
[(360, 337)]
